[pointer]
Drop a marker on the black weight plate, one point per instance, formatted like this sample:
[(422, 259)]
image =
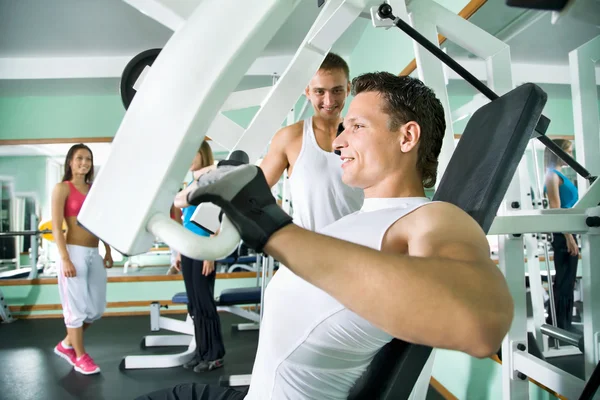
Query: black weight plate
[(132, 71)]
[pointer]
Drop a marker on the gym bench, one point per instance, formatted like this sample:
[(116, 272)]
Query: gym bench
[(230, 300)]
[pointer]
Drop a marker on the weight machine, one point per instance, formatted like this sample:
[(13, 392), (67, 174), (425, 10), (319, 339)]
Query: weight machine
[(184, 89)]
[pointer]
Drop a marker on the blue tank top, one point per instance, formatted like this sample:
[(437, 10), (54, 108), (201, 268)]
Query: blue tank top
[(186, 217), (567, 192)]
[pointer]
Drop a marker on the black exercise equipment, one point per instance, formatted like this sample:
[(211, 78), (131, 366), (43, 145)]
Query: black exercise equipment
[(552, 5), (132, 72), (385, 12), (591, 387)]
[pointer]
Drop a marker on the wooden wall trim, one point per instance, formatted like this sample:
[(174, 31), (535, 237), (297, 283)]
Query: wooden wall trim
[(567, 137), (112, 304), (466, 13), (121, 279), (106, 314), (445, 393), (27, 309), (15, 142)]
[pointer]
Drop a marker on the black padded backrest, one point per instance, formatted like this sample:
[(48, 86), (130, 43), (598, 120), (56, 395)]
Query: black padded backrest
[(489, 152), (476, 180)]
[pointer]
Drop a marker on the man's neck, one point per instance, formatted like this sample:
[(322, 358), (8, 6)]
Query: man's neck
[(327, 126), (396, 186)]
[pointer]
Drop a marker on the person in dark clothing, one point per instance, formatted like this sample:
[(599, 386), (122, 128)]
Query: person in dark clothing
[(199, 277), (562, 193)]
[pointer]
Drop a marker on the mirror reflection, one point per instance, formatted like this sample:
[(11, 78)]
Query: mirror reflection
[(28, 174)]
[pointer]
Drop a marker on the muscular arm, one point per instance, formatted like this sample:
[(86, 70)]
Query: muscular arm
[(446, 293), (59, 197), (276, 160)]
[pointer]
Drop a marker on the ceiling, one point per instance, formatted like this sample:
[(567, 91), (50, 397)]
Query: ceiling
[(530, 33), (113, 28), (65, 28), (39, 29)]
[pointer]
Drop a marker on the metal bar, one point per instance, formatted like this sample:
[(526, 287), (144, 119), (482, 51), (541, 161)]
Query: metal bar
[(24, 233), (592, 385), (591, 198), (385, 12), (548, 375), (533, 221), (561, 334), (263, 284), (566, 158), (5, 315), (591, 296), (552, 302), (33, 274)]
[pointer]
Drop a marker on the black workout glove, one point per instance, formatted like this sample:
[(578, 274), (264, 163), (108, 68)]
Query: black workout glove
[(245, 197)]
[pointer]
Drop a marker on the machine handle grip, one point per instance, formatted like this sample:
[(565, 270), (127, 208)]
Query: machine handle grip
[(192, 245)]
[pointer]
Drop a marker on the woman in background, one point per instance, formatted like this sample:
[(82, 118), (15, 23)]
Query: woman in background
[(81, 274), (562, 193), (199, 277)]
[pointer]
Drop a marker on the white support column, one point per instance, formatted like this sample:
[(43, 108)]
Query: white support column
[(582, 63), (590, 283), (512, 265), (499, 74), (535, 288), (429, 18), (224, 131), (430, 70)]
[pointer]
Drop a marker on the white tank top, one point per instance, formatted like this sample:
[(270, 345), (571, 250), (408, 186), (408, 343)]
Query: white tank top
[(319, 197), (311, 346)]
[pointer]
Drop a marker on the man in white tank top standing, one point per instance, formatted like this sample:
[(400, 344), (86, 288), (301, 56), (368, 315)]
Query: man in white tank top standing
[(401, 267), (304, 149)]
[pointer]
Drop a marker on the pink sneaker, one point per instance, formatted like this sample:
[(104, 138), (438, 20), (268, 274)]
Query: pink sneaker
[(86, 365), (67, 354)]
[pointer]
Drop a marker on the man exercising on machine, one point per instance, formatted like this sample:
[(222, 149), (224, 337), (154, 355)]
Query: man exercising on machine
[(403, 266), (305, 149)]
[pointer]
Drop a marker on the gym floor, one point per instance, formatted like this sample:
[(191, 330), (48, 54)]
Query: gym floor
[(30, 370)]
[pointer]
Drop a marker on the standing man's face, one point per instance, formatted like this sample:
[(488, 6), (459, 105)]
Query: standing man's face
[(327, 92)]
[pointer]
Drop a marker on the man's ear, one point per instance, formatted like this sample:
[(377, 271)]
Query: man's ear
[(409, 136), (348, 89), (307, 91)]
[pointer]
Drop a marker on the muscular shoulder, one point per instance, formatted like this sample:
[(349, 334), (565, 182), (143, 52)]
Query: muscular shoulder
[(443, 214), (289, 134), (439, 227)]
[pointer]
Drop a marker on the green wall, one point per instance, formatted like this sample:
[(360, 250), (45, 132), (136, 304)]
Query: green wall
[(559, 110), (60, 116)]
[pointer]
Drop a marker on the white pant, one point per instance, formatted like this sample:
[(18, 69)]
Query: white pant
[(83, 297)]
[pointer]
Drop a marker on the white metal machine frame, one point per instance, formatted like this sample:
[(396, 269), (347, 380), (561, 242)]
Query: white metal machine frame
[(513, 225), (185, 90)]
